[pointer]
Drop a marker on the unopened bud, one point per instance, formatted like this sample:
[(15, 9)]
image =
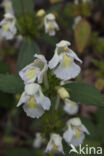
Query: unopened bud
[(63, 93)]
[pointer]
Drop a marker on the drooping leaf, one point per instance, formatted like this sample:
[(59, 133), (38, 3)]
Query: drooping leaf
[(22, 7), (82, 33), (26, 55), (85, 94), (11, 84)]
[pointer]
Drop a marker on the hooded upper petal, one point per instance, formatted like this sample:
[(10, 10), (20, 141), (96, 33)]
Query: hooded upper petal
[(55, 144), (34, 70), (54, 61)]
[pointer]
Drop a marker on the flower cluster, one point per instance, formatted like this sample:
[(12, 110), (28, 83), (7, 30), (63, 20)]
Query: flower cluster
[(36, 101), (50, 23), (8, 25)]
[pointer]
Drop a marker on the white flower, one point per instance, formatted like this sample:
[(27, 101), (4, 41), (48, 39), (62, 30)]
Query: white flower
[(8, 29), (63, 62), (84, 1), (35, 103), (35, 70), (50, 24), (75, 132), (38, 141), (7, 4), (55, 144), (70, 107), (76, 2), (76, 21)]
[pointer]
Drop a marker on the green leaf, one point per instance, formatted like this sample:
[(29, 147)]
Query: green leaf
[(22, 7), (100, 125), (7, 100), (22, 151), (50, 40), (82, 32), (3, 67), (84, 93), (26, 55), (11, 84)]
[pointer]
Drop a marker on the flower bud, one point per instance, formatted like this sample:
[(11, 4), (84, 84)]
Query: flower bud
[(63, 93), (40, 13)]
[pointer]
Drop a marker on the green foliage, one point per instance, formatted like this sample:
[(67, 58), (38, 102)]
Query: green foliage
[(22, 151), (82, 33), (6, 100), (3, 67), (26, 20), (50, 40), (100, 123), (26, 55), (84, 93), (100, 65), (82, 9), (22, 7), (28, 25), (97, 43), (11, 84)]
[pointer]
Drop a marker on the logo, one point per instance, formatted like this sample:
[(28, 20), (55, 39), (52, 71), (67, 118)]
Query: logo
[(86, 149)]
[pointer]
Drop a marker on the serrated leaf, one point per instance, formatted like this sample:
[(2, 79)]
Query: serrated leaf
[(82, 32), (22, 7), (11, 84), (26, 55), (85, 94)]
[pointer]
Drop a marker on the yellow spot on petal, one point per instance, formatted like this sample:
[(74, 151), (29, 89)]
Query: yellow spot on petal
[(65, 48), (31, 73), (5, 27), (78, 133), (32, 103), (54, 148), (66, 62), (51, 27)]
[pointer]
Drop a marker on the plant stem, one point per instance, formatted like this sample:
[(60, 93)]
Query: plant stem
[(46, 81), (57, 102)]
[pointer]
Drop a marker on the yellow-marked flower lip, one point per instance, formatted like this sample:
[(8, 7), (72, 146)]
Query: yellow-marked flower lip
[(55, 148), (51, 27), (32, 103), (5, 27), (66, 62), (78, 133), (31, 73)]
